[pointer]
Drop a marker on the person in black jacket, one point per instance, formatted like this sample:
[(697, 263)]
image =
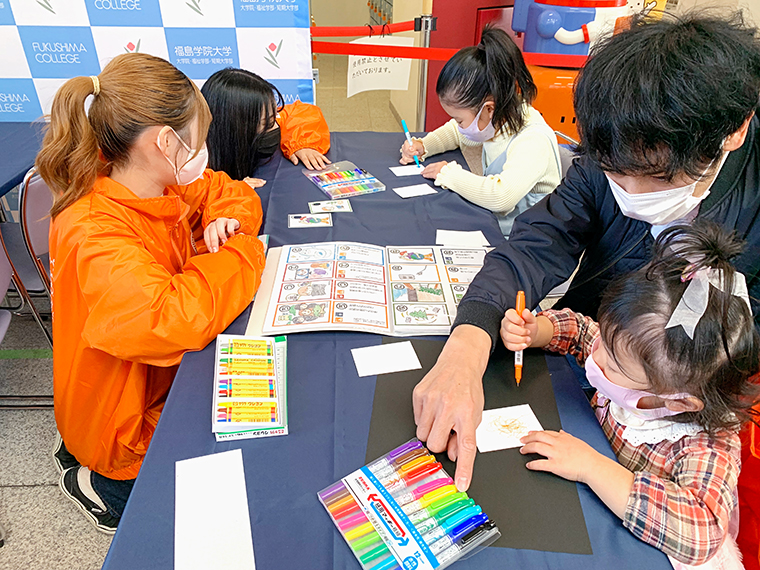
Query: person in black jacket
[(668, 133)]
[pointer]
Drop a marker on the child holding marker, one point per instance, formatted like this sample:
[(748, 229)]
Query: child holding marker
[(488, 91), (671, 359), (251, 122), (152, 255)]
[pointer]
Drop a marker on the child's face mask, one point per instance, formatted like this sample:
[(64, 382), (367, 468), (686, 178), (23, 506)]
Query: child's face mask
[(626, 398), (473, 133)]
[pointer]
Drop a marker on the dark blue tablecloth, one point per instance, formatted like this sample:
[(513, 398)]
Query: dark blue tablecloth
[(329, 406), (19, 144)]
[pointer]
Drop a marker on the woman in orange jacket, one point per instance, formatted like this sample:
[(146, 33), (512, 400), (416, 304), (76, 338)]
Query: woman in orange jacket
[(250, 122), (151, 254)]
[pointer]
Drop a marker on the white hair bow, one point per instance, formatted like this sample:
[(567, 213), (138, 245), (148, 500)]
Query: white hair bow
[(693, 303)]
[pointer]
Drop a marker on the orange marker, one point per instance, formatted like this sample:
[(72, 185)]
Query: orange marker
[(520, 307)]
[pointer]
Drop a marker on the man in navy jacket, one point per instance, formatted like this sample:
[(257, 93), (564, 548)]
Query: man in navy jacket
[(668, 133)]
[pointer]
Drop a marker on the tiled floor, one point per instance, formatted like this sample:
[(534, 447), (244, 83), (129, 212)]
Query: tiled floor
[(43, 529)]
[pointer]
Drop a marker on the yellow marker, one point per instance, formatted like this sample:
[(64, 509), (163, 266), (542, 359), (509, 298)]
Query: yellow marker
[(360, 530)]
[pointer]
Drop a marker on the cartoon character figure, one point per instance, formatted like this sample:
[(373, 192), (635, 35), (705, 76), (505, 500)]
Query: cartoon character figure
[(415, 256), (558, 34), (305, 312)]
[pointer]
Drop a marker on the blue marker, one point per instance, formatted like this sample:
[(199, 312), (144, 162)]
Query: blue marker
[(409, 140), (387, 564), (447, 548)]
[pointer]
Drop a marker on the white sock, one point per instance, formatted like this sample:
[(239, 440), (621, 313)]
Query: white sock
[(85, 485)]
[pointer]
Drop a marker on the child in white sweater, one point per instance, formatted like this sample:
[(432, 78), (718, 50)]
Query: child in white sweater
[(487, 90)]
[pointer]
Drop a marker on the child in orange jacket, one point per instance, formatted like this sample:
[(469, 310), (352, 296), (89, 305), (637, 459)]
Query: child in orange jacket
[(250, 122), (152, 255)]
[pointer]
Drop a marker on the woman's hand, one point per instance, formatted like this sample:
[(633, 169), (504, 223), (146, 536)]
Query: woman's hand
[(254, 182), (218, 232), (311, 159), (431, 170), (408, 152)]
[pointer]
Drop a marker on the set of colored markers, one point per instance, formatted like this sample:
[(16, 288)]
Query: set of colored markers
[(344, 179), (250, 387), (403, 511)]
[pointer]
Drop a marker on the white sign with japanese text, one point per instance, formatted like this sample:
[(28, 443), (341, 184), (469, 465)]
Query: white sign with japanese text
[(372, 73)]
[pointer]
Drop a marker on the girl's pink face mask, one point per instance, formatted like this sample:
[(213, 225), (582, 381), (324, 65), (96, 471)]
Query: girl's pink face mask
[(626, 398)]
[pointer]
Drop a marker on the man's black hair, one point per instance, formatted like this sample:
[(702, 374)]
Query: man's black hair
[(660, 97)]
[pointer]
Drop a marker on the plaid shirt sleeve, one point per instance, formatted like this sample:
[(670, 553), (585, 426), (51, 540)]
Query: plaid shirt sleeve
[(573, 333), (687, 516)]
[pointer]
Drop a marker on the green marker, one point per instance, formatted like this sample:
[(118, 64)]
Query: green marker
[(435, 521), (438, 505), (366, 541), (373, 554)]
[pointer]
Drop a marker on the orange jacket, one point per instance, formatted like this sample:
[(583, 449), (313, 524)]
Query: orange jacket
[(302, 126), (130, 297)]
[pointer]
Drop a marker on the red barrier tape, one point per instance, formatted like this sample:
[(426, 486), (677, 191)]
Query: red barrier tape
[(437, 54), (334, 31)]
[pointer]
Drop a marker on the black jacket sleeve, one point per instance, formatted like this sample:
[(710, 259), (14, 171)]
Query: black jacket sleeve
[(542, 251)]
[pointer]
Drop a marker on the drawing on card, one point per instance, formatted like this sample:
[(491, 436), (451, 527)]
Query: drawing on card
[(421, 273), (421, 314), (418, 255), (308, 271), (311, 252), (503, 428), (418, 292), (301, 313), (305, 291)]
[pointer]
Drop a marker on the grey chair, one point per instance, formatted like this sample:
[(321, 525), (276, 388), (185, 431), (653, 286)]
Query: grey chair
[(26, 246)]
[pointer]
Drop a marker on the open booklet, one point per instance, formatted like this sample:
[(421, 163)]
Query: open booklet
[(393, 290)]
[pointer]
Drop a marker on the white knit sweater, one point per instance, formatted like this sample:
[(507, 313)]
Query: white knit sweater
[(531, 164)]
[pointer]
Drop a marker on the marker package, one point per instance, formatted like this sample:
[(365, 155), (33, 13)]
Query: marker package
[(403, 511), (344, 179)]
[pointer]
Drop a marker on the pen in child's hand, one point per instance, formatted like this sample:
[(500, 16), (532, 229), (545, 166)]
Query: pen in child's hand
[(519, 307), (409, 140)]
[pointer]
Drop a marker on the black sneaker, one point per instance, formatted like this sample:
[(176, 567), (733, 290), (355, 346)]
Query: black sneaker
[(61, 457), (75, 484)]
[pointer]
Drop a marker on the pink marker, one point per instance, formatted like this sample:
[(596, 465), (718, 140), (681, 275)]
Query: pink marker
[(352, 521), (404, 498)]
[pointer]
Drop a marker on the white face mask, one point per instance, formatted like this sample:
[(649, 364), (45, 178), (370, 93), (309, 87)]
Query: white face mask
[(193, 169), (473, 133), (660, 208)]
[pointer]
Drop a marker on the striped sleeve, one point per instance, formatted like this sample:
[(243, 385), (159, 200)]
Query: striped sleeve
[(687, 517)]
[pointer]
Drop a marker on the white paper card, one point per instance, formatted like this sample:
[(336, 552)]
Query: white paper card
[(502, 428), (330, 206), (408, 170), (385, 358), (212, 529), (461, 239), (309, 220), (415, 190), (367, 73)]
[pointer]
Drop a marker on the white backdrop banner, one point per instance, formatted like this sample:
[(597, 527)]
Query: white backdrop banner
[(45, 42)]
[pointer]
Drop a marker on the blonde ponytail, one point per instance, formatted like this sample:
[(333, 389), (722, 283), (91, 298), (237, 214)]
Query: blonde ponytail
[(132, 93), (68, 161)]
